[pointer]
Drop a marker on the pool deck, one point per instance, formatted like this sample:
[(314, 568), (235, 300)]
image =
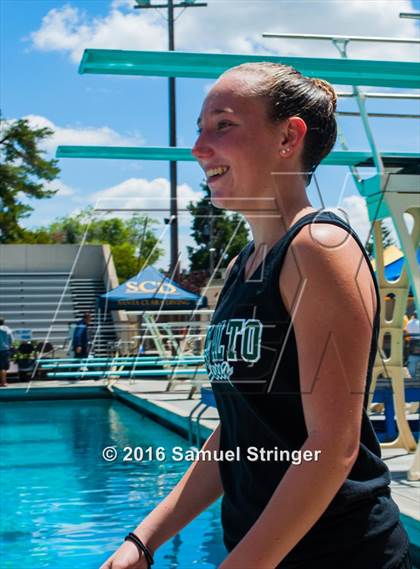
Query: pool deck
[(176, 411)]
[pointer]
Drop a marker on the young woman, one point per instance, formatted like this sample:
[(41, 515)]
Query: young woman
[(289, 351)]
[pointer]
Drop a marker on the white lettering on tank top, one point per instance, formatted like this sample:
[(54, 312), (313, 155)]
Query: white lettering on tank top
[(234, 340)]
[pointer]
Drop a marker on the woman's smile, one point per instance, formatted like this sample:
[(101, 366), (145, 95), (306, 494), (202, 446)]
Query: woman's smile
[(215, 174)]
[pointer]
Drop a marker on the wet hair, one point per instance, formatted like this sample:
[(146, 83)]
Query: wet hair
[(289, 93), (1, 321)]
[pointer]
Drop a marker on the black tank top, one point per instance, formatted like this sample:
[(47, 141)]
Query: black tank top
[(252, 363)]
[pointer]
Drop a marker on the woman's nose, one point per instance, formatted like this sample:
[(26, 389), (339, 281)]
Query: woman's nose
[(201, 149)]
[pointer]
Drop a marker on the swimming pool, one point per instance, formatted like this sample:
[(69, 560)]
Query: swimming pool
[(65, 507)]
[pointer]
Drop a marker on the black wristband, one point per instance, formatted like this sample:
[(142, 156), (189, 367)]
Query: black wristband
[(141, 547)]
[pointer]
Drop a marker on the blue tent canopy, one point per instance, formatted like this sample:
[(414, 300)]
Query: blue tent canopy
[(150, 290), (394, 270)]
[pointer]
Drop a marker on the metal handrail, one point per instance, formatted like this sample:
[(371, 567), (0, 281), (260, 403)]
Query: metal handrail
[(340, 38), (383, 95), (410, 15), (379, 115)]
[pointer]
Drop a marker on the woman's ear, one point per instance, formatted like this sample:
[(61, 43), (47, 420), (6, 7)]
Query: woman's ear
[(292, 134)]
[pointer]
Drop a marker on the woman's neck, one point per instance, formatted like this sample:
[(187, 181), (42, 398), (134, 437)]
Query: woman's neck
[(267, 230), (288, 202)]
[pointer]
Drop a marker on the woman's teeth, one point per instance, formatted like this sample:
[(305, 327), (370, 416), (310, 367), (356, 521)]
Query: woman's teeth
[(216, 171)]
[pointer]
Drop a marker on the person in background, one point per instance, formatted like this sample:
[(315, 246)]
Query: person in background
[(169, 349), (81, 337), (6, 341), (413, 330)]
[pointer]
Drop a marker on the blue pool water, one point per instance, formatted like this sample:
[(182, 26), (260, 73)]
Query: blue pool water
[(64, 507)]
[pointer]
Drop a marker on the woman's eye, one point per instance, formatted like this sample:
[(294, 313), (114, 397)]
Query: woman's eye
[(220, 125)]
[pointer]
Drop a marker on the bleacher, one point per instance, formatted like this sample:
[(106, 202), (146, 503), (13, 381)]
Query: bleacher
[(41, 302), (47, 302)]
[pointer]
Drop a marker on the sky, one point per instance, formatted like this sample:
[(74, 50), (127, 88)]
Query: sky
[(42, 42)]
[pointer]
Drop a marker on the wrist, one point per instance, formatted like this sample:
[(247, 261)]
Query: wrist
[(148, 537), (144, 551)]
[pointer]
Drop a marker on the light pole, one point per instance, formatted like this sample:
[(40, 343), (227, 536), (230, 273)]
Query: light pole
[(211, 248), (170, 5)]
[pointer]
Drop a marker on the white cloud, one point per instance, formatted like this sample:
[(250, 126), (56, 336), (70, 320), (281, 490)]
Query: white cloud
[(141, 194), (349, 206), (61, 29), (356, 210), (64, 191), (356, 214), (128, 4), (241, 30), (68, 29), (81, 135), (234, 27)]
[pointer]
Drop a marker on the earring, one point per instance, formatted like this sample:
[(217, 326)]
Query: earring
[(285, 150)]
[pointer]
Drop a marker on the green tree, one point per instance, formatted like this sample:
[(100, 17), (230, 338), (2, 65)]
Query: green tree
[(133, 243), (23, 173), (214, 234), (126, 261), (39, 236), (387, 240)]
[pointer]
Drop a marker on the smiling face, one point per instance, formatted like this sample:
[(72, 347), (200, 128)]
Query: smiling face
[(237, 147)]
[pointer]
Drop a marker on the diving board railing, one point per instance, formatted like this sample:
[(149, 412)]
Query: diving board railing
[(339, 38), (177, 341), (206, 401), (368, 95)]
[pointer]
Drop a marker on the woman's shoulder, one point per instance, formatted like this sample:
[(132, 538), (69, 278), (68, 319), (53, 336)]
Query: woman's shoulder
[(326, 256), (324, 236), (323, 243)]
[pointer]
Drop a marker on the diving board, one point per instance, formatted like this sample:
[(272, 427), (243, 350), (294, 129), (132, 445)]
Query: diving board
[(400, 74), (338, 158)]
